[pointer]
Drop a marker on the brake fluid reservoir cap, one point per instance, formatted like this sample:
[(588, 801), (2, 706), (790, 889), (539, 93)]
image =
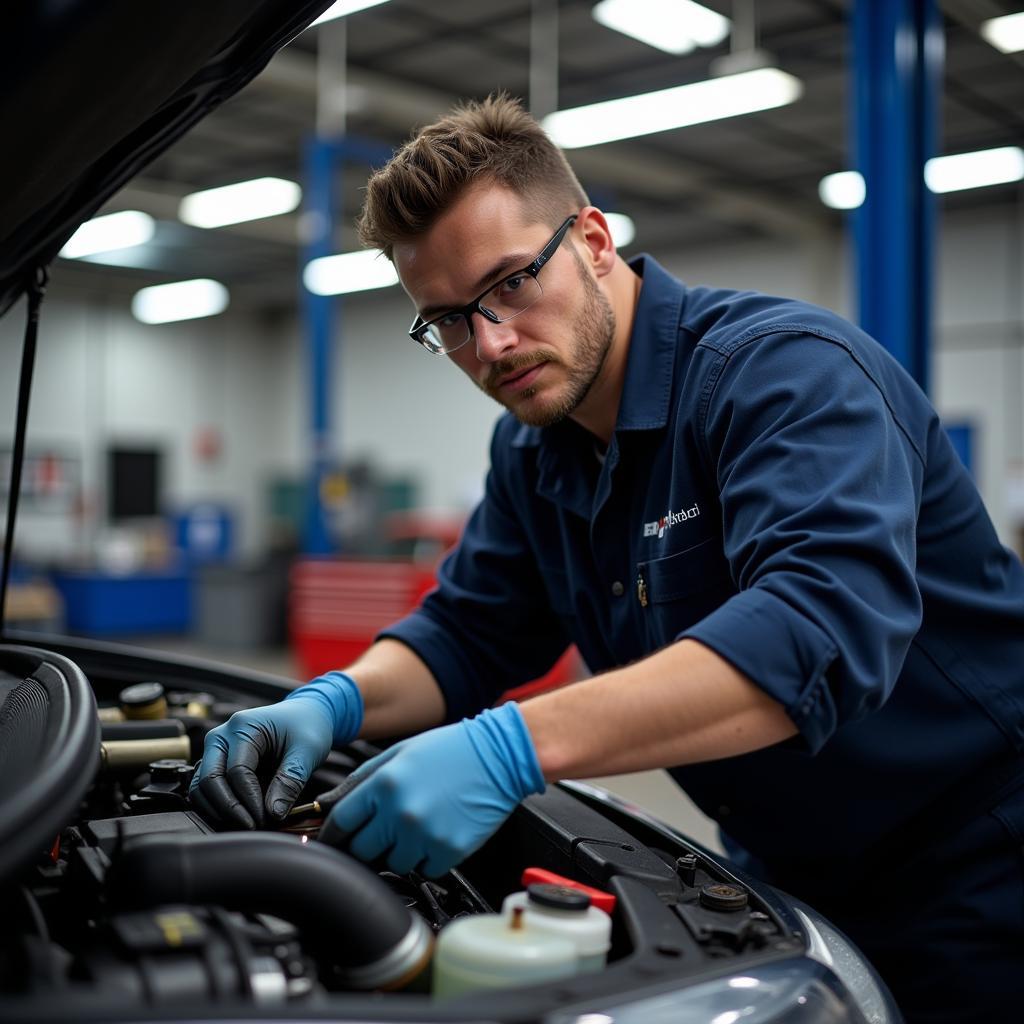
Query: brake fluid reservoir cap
[(598, 898), (143, 700), (722, 896), (558, 897)]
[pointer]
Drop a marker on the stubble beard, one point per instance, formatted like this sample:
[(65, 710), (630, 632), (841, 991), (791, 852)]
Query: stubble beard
[(593, 331)]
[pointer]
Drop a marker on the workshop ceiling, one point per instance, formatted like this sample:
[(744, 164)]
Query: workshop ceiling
[(406, 61)]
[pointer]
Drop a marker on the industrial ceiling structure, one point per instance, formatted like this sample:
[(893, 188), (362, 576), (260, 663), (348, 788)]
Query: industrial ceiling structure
[(400, 64)]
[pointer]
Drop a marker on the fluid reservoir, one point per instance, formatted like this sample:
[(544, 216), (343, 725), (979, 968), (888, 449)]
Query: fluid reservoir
[(496, 951), (567, 913)]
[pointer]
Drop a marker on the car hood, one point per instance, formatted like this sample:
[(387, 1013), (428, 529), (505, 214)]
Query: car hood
[(92, 92)]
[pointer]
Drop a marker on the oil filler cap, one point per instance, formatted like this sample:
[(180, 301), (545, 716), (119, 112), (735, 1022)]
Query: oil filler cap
[(721, 896), (143, 701)]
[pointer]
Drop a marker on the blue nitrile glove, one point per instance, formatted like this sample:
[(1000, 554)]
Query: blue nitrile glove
[(289, 739), (430, 801)]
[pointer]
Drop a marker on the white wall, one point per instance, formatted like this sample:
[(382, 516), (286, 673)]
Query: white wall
[(412, 412), (101, 378), (978, 371)]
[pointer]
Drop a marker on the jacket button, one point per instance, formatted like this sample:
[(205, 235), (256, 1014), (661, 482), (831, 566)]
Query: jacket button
[(618, 589)]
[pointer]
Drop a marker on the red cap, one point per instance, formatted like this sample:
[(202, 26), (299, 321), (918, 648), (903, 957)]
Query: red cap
[(602, 900)]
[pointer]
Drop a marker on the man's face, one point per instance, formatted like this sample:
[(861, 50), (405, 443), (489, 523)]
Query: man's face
[(541, 364)]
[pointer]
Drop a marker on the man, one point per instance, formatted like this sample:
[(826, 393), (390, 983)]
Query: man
[(750, 522)]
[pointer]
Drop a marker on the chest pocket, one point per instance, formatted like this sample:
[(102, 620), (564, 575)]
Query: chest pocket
[(682, 588)]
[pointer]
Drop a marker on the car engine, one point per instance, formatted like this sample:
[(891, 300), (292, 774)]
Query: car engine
[(135, 901)]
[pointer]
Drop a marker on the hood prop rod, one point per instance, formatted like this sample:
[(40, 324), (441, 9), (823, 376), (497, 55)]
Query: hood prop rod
[(36, 290)]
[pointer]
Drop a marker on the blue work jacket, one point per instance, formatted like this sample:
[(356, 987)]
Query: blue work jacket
[(778, 488)]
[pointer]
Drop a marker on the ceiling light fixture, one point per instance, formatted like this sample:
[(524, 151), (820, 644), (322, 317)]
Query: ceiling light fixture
[(245, 200), (343, 8), (975, 170), (1006, 34), (349, 272), (675, 26), (844, 190), (109, 232), (677, 107), (182, 300)]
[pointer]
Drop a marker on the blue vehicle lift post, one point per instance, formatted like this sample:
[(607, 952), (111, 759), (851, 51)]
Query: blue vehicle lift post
[(325, 160), (898, 56)]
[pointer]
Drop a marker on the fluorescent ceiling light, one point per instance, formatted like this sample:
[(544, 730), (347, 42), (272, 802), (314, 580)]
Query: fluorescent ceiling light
[(676, 26), (844, 190), (1006, 33), (246, 200), (974, 170), (622, 227), (677, 107), (349, 272), (109, 232), (183, 300), (343, 7)]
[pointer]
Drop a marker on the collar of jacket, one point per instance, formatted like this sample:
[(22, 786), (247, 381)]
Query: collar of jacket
[(646, 393)]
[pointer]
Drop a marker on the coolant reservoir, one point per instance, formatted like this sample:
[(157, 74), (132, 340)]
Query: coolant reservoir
[(567, 913), (496, 951)]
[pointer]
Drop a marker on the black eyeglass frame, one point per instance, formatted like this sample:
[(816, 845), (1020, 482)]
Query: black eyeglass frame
[(467, 311)]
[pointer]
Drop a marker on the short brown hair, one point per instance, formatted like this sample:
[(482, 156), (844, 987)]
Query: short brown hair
[(495, 140)]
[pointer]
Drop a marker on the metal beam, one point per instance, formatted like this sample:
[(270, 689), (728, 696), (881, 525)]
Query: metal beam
[(543, 58), (318, 315)]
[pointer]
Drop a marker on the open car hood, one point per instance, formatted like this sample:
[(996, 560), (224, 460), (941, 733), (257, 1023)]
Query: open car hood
[(92, 92)]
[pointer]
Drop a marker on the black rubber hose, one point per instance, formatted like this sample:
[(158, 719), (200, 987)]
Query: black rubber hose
[(339, 905)]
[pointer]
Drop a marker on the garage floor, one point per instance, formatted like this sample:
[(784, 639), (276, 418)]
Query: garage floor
[(654, 791)]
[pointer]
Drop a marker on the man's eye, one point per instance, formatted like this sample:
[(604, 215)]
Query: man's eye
[(511, 284), (450, 320)]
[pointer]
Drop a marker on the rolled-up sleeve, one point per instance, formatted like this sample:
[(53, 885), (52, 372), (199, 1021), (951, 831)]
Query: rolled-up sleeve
[(820, 487), (488, 625)]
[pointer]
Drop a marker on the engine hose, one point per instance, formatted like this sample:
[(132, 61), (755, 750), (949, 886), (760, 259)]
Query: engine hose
[(340, 906)]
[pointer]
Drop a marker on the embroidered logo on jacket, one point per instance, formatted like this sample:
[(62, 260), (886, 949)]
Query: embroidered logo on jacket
[(670, 519)]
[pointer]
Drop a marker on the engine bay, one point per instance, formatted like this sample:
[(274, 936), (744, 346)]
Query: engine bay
[(135, 901)]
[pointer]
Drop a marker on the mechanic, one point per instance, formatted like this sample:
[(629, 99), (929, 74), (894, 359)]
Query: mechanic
[(750, 522)]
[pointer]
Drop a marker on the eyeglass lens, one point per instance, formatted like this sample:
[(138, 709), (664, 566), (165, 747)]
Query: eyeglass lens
[(502, 302)]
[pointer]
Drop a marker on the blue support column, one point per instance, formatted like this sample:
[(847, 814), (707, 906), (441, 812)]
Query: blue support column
[(325, 159), (318, 311), (898, 56)]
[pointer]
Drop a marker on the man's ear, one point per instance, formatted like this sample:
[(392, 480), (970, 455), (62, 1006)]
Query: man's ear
[(596, 236)]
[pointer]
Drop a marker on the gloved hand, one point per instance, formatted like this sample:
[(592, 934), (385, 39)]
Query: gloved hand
[(430, 801), (288, 739)]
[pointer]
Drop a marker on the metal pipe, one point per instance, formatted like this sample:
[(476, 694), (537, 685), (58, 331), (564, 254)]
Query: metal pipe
[(543, 58), (167, 728), (117, 754)]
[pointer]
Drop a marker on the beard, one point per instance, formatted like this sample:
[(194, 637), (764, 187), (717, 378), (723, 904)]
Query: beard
[(593, 330)]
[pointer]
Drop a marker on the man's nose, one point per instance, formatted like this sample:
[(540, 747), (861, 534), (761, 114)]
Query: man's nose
[(493, 341)]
